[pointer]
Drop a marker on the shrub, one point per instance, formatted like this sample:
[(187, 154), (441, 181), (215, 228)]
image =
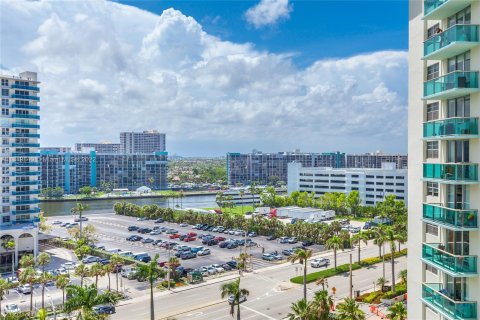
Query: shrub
[(391, 295)]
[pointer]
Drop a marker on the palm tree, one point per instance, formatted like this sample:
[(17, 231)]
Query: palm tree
[(242, 193), (381, 282), (151, 272), (173, 263), (391, 237), (403, 277), (108, 268), (335, 243), (29, 276), (116, 262), (82, 271), (302, 256), (4, 286), (43, 259), (9, 245), (379, 238), (85, 298), (233, 289), (322, 281), (242, 259), (44, 279), (358, 239), (62, 282), (322, 304), (397, 311), (349, 310), (27, 261), (97, 271), (301, 310), (78, 209)]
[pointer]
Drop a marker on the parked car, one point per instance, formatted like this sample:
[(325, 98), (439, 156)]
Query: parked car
[(355, 229), (231, 299), (132, 228), (11, 308), (319, 262), (183, 225), (188, 239), (159, 220), (144, 230), (368, 225), (80, 219), (268, 257), (104, 261), (147, 240), (270, 238), (204, 252), (252, 234), (232, 264), (25, 289), (104, 309), (187, 255), (284, 239), (220, 239), (307, 243), (57, 222), (288, 252), (292, 240), (223, 244), (155, 232), (174, 236), (68, 265), (232, 245), (218, 268), (90, 259), (212, 242), (226, 267)]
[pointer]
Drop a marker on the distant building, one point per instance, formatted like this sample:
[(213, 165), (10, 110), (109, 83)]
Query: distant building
[(375, 160), (57, 149), (102, 147), (142, 142), (372, 184)]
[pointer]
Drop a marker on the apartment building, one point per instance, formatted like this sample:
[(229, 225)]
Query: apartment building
[(375, 160), (372, 184), (444, 194), (74, 170), (101, 147), (19, 165), (142, 142)]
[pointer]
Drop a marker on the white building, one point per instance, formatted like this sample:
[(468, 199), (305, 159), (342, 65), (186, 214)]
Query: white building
[(19, 165), (444, 152), (142, 142), (372, 184)]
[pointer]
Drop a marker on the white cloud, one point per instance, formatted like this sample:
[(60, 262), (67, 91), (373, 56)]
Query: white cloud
[(268, 12), (107, 67)]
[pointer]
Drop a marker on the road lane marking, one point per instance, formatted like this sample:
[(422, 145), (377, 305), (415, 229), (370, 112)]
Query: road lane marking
[(258, 312)]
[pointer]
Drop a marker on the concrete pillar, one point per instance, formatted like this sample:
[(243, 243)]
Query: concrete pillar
[(15, 239), (35, 245)]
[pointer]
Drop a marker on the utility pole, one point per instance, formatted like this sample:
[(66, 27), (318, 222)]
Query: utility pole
[(351, 277)]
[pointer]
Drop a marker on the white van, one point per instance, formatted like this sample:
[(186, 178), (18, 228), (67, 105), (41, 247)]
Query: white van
[(116, 250), (128, 254)]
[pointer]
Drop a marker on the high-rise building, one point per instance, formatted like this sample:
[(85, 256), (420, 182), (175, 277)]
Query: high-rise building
[(444, 190), (100, 147), (375, 160), (19, 165), (142, 142)]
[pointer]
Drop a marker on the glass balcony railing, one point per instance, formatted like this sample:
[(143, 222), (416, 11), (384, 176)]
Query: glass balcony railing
[(26, 164), (446, 172), (456, 218), (22, 96), (22, 202), (452, 127), (25, 125), (456, 264), (22, 106), (461, 34), (31, 88), (443, 87), (26, 116), (25, 183), (35, 210), (26, 192), (437, 297), (26, 145), (27, 173), (442, 9), (25, 154), (25, 135)]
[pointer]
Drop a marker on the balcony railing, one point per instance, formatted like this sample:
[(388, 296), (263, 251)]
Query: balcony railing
[(22, 202), (34, 210), (25, 125), (437, 297), (26, 164), (451, 128), (25, 154), (21, 96), (26, 116), (27, 173), (455, 264), (26, 145), (19, 86), (26, 192), (442, 9), (456, 39), (22, 106), (25, 135), (456, 218), (451, 85), (451, 172), (25, 183)]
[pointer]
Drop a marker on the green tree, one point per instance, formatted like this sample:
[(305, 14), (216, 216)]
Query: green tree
[(61, 283), (85, 191), (379, 239), (391, 237), (151, 272), (302, 256), (397, 311), (42, 314), (322, 304), (85, 298), (381, 282), (4, 287), (43, 259), (78, 209), (27, 261), (242, 261), (357, 240), (403, 277), (353, 202), (28, 276), (301, 310), (44, 279), (349, 310), (97, 271), (82, 271), (335, 243), (233, 289), (116, 261), (9, 245)]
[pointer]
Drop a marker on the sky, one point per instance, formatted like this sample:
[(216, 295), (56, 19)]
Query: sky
[(216, 76)]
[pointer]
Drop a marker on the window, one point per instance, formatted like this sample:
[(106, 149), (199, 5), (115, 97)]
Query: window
[(5, 92), (399, 191), (432, 189), (432, 111), (400, 184), (6, 219), (431, 269), (431, 229), (370, 189), (389, 183), (389, 190), (433, 71), (459, 107), (368, 176), (370, 202), (432, 149), (5, 112), (379, 177), (379, 183), (401, 177), (370, 182), (432, 30), (389, 177), (354, 182), (459, 63), (355, 188), (354, 175), (461, 17)]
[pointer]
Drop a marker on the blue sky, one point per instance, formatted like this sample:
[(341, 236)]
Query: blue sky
[(315, 29)]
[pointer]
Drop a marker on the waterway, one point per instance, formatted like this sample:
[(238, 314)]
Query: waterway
[(106, 205)]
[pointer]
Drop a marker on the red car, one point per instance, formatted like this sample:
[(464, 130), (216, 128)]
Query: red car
[(188, 239), (191, 234), (219, 239), (174, 236), (162, 263)]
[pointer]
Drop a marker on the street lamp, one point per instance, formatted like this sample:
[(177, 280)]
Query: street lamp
[(53, 307)]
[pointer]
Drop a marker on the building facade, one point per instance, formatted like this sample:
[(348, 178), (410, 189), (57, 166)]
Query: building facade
[(375, 160), (261, 168), (19, 166), (444, 194), (142, 142), (101, 147), (372, 184), (72, 171)]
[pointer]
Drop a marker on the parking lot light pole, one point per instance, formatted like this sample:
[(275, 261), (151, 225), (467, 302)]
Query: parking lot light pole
[(53, 307)]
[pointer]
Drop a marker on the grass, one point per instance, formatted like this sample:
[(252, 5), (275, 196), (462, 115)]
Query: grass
[(235, 210)]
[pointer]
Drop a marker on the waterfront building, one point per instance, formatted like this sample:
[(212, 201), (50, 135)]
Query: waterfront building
[(444, 191), (372, 184), (142, 142), (19, 166), (101, 147), (375, 160), (74, 170)]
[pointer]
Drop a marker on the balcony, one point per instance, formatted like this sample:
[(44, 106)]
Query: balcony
[(22, 202), (454, 219), (455, 265), (25, 125), (451, 173), (26, 164), (25, 135), (437, 297), (26, 173), (452, 85), (34, 210), (26, 183), (26, 116), (30, 88), (452, 128), (453, 41), (26, 192), (20, 224), (26, 145), (21, 96), (441, 9), (22, 106), (25, 154)]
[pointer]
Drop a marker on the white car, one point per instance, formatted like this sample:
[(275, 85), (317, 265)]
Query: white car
[(155, 232), (183, 224), (25, 289), (57, 222), (218, 268), (211, 270), (11, 308), (242, 299), (204, 252), (12, 280), (61, 270), (320, 262), (68, 265)]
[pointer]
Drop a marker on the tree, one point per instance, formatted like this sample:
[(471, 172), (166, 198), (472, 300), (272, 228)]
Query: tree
[(391, 237), (82, 250), (322, 304), (82, 271), (301, 310), (9, 245), (353, 202), (381, 282), (62, 282), (379, 238), (403, 277), (85, 298), (334, 243), (322, 281), (108, 268), (28, 276), (44, 279), (85, 191), (151, 272), (116, 262), (4, 287), (78, 209), (397, 311), (242, 261), (357, 239), (27, 261), (349, 310), (42, 314), (43, 259), (97, 271), (302, 255), (234, 289)]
